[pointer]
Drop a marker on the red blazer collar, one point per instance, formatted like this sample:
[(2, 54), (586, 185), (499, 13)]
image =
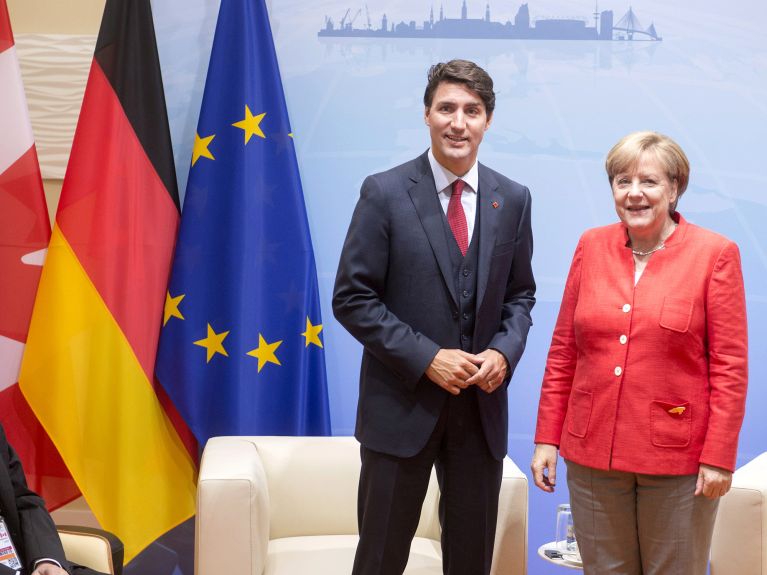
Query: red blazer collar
[(676, 237)]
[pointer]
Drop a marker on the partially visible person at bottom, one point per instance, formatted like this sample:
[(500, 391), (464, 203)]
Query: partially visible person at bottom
[(645, 384), (34, 541)]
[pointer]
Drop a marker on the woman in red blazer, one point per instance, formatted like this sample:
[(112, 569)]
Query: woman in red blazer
[(645, 382)]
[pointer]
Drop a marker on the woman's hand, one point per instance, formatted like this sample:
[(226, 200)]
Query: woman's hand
[(544, 466), (712, 482)]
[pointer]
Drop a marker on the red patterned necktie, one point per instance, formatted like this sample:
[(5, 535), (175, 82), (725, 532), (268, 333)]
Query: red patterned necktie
[(457, 218)]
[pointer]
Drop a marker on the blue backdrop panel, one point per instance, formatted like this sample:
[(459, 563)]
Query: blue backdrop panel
[(355, 103)]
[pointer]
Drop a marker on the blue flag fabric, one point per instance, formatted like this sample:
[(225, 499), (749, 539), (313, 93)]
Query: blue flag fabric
[(241, 350)]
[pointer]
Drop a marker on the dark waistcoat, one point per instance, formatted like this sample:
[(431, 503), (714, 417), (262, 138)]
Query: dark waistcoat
[(465, 278)]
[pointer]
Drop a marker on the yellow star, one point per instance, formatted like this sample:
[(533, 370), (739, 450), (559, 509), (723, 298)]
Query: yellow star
[(250, 125), (201, 148), (214, 343), (312, 333), (265, 352), (171, 307)]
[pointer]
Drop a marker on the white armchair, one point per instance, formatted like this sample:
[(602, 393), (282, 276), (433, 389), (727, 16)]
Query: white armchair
[(94, 548), (739, 545), (288, 506)]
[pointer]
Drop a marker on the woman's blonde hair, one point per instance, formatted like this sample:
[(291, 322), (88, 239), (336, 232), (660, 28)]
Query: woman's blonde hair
[(624, 157)]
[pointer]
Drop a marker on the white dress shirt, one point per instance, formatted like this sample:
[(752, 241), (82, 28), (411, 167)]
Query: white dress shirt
[(443, 180)]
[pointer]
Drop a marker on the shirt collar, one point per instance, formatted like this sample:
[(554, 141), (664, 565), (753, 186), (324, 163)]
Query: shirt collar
[(443, 178)]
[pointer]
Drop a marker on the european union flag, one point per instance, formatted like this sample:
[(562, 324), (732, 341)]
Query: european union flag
[(241, 349)]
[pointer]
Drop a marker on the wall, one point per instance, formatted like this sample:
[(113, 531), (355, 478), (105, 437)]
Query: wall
[(54, 17)]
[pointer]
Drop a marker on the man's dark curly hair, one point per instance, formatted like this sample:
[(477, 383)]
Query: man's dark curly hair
[(461, 72)]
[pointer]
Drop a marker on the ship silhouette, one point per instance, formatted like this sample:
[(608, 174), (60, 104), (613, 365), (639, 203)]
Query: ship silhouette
[(604, 28)]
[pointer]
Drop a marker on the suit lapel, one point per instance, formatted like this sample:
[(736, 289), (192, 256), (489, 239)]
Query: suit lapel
[(489, 205), (427, 206)]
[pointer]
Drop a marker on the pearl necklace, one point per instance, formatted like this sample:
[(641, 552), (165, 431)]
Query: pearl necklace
[(661, 245), (647, 253)]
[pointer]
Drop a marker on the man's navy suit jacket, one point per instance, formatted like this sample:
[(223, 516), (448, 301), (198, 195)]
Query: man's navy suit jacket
[(395, 293), (33, 532)]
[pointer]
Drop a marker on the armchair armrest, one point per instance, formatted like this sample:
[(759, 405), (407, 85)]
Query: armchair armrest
[(739, 543), (232, 527), (94, 548), (510, 553)]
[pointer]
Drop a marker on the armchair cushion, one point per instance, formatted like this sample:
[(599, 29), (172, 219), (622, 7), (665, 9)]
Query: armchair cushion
[(334, 554)]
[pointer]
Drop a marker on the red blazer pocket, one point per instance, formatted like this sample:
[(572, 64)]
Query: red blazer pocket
[(670, 424), (676, 314), (579, 412)]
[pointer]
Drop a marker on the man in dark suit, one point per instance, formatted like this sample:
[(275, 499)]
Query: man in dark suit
[(35, 541), (435, 281)]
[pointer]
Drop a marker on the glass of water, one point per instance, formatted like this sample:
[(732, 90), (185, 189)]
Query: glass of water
[(565, 537)]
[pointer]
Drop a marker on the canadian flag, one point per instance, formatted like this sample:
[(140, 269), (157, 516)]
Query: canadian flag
[(24, 234)]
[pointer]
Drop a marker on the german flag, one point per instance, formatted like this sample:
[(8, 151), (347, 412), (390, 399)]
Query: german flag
[(88, 367)]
